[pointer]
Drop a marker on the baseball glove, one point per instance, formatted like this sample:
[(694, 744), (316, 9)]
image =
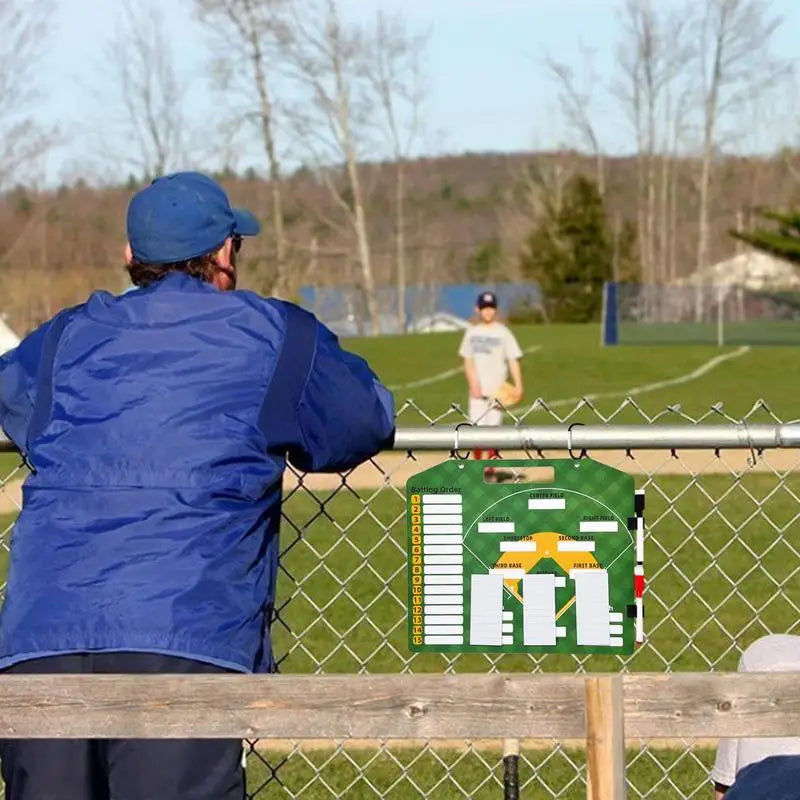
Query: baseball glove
[(507, 395)]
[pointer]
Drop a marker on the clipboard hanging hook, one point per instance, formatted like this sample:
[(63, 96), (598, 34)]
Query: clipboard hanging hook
[(455, 451), (583, 453)]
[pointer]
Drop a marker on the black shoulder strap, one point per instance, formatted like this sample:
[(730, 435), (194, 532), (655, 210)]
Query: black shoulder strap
[(43, 403), (289, 378)]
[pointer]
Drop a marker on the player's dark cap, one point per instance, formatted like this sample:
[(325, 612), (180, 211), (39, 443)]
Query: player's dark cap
[(183, 216), (487, 300)]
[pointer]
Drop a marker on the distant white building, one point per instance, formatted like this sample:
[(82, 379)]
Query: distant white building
[(8, 339), (750, 270), (438, 322)]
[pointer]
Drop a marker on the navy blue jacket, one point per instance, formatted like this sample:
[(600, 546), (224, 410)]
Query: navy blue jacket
[(158, 425), (774, 778)]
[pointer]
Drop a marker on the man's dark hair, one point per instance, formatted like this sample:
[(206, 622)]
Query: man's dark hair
[(202, 267)]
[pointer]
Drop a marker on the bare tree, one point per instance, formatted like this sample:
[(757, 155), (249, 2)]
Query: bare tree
[(392, 65), (675, 126), (654, 55), (331, 125), (259, 29), (736, 63), (575, 103), (636, 90), (142, 95), (23, 139), (536, 189)]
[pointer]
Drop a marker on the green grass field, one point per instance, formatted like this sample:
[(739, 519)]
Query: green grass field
[(572, 363), (687, 579), (769, 333), (455, 775), (9, 463), (356, 539)]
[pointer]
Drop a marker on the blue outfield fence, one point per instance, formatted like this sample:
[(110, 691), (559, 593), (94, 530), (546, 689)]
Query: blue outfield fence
[(344, 310)]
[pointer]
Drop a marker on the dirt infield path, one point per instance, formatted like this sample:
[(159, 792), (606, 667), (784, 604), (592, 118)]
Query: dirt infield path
[(394, 469)]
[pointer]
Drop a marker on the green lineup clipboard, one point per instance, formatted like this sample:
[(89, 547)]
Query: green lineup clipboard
[(554, 564)]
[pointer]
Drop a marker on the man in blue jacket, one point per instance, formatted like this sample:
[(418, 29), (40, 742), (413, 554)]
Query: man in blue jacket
[(157, 426)]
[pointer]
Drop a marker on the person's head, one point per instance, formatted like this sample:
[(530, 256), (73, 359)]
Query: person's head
[(185, 223), (486, 306)]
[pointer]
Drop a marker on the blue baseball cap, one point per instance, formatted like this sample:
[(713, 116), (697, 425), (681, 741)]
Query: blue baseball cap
[(183, 216), (487, 300)]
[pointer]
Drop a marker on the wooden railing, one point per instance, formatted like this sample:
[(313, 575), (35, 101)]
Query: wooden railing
[(602, 710)]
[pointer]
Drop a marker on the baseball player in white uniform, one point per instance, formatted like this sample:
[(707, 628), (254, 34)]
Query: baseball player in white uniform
[(490, 352)]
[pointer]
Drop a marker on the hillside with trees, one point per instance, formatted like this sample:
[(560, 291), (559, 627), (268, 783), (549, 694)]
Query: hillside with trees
[(469, 218)]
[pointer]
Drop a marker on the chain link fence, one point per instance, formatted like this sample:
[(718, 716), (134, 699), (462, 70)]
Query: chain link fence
[(722, 562)]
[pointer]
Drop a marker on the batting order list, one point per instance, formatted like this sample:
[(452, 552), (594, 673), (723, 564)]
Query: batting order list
[(437, 569)]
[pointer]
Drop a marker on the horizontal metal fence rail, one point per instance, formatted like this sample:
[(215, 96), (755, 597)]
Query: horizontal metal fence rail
[(722, 557), (587, 437), (599, 437)]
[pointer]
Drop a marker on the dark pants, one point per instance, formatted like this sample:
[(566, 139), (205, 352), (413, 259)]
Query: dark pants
[(121, 769)]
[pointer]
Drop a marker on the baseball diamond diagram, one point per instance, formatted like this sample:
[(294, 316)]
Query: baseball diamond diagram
[(554, 564)]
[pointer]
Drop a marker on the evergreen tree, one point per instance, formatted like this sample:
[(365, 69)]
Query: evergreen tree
[(571, 254), (782, 239), (485, 263)]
